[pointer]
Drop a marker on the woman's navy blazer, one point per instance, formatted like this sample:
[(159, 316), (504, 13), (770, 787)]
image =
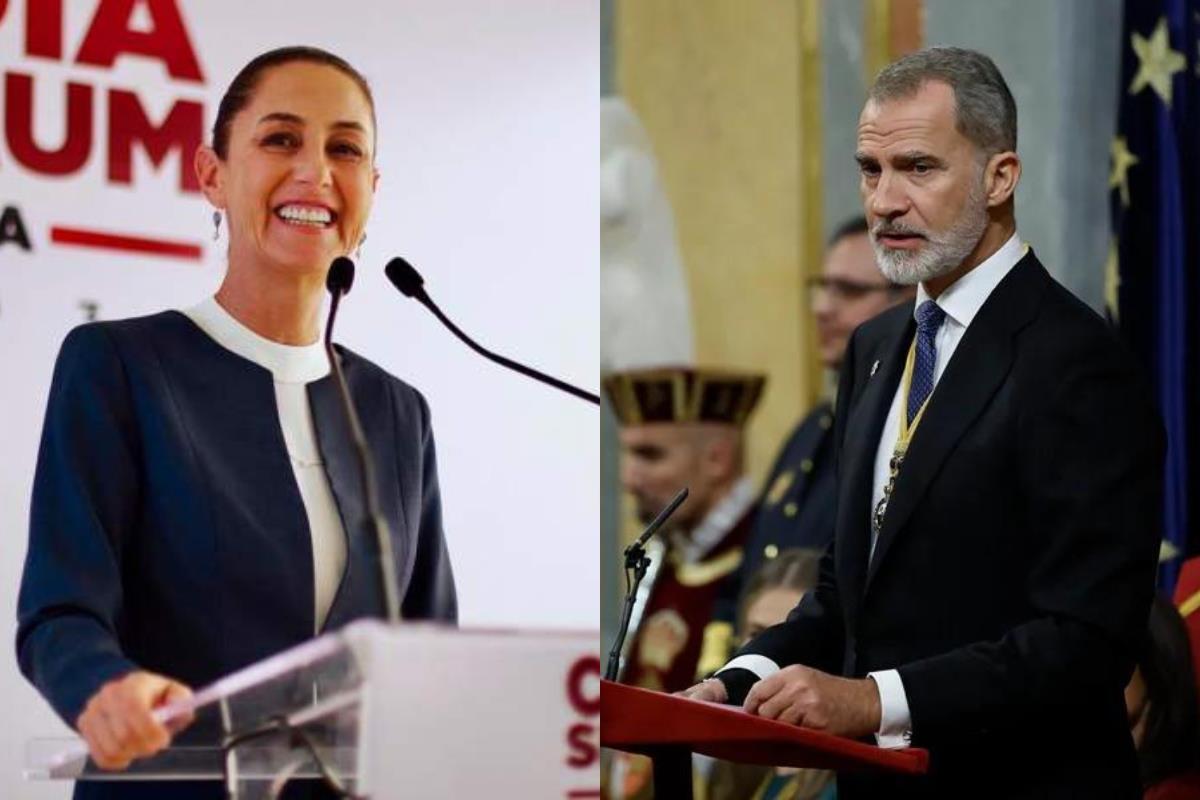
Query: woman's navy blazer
[(167, 532)]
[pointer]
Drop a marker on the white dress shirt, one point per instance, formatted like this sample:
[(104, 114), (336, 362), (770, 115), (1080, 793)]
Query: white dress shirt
[(961, 301), (293, 367)]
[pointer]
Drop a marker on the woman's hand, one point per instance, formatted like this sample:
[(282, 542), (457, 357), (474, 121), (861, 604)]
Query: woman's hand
[(117, 722)]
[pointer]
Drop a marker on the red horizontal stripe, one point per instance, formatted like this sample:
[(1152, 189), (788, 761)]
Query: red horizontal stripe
[(130, 244), (583, 793)]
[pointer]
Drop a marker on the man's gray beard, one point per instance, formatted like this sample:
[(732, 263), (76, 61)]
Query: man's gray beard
[(941, 254)]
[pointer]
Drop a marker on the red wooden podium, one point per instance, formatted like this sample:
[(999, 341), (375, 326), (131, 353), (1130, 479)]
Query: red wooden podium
[(669, 729)]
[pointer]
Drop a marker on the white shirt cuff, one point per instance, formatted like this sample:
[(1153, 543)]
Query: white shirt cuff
[(761, 666), (895, 723)]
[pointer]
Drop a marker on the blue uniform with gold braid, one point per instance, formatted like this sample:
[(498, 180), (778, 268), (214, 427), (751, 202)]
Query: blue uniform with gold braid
[(795, 511)]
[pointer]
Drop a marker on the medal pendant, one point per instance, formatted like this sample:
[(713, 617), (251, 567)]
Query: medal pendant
[(877, 516)]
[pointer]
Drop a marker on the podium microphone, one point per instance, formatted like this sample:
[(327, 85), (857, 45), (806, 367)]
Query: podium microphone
[(410, 283), (636, 564), (338, 282)]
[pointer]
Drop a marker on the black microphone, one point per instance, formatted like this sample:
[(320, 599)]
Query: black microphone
[(338, 282), (410, 283), (340, 277), (636, 564), (658, 521)]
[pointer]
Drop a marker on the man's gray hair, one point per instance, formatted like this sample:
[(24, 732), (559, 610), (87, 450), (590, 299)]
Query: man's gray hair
[(985, 111)]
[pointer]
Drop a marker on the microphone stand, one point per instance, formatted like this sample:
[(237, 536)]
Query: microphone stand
[(341, 276), (636, 564), (375, 518)]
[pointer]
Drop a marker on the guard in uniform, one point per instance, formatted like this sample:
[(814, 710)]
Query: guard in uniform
[(797, 508), (682, 426)]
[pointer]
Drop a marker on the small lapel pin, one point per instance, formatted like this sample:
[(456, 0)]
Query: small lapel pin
[(874, 368)]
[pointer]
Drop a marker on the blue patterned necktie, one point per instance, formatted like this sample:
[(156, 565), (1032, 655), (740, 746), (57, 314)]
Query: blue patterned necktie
[(929, 319)]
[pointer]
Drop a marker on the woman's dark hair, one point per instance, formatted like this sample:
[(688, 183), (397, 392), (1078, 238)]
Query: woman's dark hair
[(1172, 739), (238, 95), (794, 569)]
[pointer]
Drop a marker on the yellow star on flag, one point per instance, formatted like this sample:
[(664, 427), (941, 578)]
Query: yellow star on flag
[(1112, 282), (1122, 160), (1167, 551), (1157, 62)]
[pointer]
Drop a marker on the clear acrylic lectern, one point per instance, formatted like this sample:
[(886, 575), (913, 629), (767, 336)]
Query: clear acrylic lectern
[(416, 710)]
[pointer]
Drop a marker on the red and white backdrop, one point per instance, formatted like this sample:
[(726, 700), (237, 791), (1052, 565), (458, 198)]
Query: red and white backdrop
[(487, 148)]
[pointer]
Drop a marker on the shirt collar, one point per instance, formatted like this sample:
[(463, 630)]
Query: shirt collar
[(287, 363), (719, 521), (962, 299)]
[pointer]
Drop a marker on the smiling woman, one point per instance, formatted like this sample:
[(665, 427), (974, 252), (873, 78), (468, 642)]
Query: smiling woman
[(196, 483), (292, 164)]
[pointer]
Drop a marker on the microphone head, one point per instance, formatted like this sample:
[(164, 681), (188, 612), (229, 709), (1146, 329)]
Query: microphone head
[(404, 277), (341, 276)]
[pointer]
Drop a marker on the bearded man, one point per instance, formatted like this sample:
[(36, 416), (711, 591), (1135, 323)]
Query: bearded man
[(999, 480)]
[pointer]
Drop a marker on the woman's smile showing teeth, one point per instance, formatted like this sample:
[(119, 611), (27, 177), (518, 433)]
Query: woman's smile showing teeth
[(310, 216)]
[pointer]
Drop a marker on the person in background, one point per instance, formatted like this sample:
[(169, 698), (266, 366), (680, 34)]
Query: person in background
[(797, 506), (770, 593), (682, 427), (1164, 718)]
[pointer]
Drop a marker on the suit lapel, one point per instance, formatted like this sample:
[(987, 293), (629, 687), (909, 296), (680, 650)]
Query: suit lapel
[(341, 467), (359, 592), (867, 416), (978, 367)]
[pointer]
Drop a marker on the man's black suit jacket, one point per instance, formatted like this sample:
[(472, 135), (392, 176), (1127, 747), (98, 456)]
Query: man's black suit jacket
[(1012, 578)]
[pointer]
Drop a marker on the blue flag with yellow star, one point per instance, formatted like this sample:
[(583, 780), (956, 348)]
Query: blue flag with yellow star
[(1153, 274)]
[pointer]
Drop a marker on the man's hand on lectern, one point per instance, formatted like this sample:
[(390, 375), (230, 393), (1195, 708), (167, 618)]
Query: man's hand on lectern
[(814, 699), (711, 690)]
